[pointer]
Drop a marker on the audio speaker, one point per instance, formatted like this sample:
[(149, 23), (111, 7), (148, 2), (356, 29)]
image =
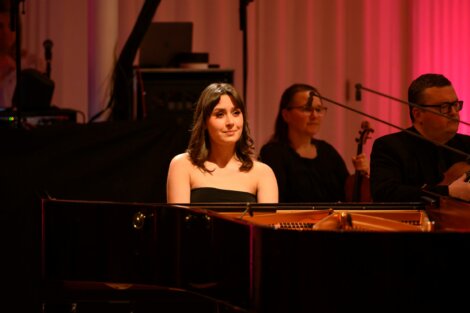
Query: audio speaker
[(169, 95)]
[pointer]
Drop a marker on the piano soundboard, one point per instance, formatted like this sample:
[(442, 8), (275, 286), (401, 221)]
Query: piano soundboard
[(339, 220)]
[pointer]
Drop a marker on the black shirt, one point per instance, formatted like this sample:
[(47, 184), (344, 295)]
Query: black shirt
[(209, 194), (300, 180), (403, 165)]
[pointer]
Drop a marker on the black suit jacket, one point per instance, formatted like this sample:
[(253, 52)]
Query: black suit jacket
[(403, 165)]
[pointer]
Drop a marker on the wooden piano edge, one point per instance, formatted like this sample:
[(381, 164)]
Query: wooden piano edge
[(448, 214)]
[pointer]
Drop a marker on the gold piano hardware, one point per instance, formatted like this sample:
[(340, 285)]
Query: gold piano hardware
[(344, 220)]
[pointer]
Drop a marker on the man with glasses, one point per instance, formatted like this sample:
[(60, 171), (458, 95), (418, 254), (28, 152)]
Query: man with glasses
[(307, 169), (428, 158)]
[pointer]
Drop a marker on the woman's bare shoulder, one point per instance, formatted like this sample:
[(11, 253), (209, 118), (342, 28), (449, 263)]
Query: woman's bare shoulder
[(181, 159), (261, 168)]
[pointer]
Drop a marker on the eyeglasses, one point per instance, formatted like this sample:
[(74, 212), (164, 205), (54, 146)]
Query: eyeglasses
[(320, 110), (446, 107)]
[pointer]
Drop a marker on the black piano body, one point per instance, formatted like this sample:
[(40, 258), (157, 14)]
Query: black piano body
[(227, 255), (156, 250)]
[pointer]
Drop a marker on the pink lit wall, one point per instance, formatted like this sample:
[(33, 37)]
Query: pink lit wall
[(440, 42), (332, 44)]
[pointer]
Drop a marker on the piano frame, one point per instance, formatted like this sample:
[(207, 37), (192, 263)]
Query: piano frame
[(239, 257)]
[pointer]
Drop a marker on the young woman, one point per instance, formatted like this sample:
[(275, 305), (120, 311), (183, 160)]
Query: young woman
[(218, 165)]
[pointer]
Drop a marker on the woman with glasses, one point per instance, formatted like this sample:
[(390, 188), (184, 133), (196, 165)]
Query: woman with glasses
[(430, 156), (307, 169)]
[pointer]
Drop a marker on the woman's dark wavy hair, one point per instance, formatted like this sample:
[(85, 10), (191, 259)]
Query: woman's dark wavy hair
[(417, 87), (281, 127), (199, 143)]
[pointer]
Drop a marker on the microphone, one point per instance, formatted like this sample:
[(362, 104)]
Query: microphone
[(48, 49), (358, 92), (242, 13), (48, 55)]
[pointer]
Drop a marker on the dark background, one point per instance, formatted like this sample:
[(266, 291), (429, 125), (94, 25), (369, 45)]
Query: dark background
[(123, 161)]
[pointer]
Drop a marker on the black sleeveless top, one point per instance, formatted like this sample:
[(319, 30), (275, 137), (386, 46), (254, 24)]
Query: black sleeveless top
[(209, 194)]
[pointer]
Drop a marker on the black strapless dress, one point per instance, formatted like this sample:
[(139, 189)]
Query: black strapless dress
[(209, 194)]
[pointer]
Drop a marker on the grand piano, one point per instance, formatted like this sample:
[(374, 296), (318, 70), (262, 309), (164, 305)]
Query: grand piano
[(325, 257)]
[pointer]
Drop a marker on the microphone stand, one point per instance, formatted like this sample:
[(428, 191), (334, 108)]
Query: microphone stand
[(359, 87), (15, 26), (48, 56), (395, 126), (242, 12)]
